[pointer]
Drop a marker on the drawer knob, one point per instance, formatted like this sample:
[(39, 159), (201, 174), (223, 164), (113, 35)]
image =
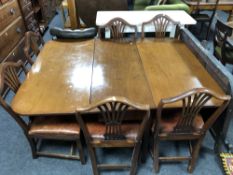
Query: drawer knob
[(12, 11), (18, 30)]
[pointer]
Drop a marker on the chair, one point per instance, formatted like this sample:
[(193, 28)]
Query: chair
[(223, 51), (113, 128), (117, 27), (32, 45), (160, 23), (204, 18), (185, 125), (86, 33), (38, 128)]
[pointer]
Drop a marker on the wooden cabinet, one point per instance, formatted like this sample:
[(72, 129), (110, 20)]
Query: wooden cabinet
[(8, 13), (12, 30)]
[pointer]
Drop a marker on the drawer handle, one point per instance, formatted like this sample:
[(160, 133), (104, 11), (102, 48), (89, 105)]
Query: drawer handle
[(12, 11), (18, 30)]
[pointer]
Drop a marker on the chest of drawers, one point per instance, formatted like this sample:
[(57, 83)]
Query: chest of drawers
[(12, 30)]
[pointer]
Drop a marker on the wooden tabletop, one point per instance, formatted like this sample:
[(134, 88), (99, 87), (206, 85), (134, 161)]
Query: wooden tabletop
[(171, 68), (59, 80), (71, 74), (118, 71)]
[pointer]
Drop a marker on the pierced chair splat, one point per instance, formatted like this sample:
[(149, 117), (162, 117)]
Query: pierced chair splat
[(160, 23), (185, 125), (32, 45), (117, 28), (113, 130)]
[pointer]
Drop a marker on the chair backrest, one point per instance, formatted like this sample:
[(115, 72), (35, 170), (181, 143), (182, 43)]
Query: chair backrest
[(85, 33), (227, 52), (32, 45), (160, 23), (117, 27), (9, 80), (222, 31), (192, 102), (113, 112)]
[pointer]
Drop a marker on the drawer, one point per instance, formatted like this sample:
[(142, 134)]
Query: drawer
[(8, 13), (24, 2), (27, 9), (10, 36), (17, 53)]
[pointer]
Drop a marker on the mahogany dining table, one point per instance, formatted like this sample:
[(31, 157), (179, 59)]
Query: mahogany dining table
[(67, 75)]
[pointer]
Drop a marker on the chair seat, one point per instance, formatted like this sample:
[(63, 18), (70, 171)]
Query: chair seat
[(97, 130), (169, 123), (201, 17), (59, 127)]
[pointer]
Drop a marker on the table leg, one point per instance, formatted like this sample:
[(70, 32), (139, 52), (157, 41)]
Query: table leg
[(146, 138)]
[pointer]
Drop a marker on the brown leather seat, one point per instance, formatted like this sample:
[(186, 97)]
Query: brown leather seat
[(65, 127), (97, 130), (168, 123)]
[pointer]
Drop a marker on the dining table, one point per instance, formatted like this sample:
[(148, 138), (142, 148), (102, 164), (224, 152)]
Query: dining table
[(67, 75)]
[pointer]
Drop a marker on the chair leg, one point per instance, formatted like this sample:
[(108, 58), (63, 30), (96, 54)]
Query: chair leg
[(156, 154), (93, 160), (135, 158), (32, 144), (81, 154), (202, 25), (208, 31), (195, 154)]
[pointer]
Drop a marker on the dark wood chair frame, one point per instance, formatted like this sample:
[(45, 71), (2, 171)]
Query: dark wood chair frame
[(32, 45), (112, 112), (221, 33), (193, 101), (9, 80), (206, 18), (226, 48), (117, 27), (161, 23)]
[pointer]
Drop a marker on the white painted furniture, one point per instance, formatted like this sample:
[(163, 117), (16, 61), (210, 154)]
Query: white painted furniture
[(138, 17)]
